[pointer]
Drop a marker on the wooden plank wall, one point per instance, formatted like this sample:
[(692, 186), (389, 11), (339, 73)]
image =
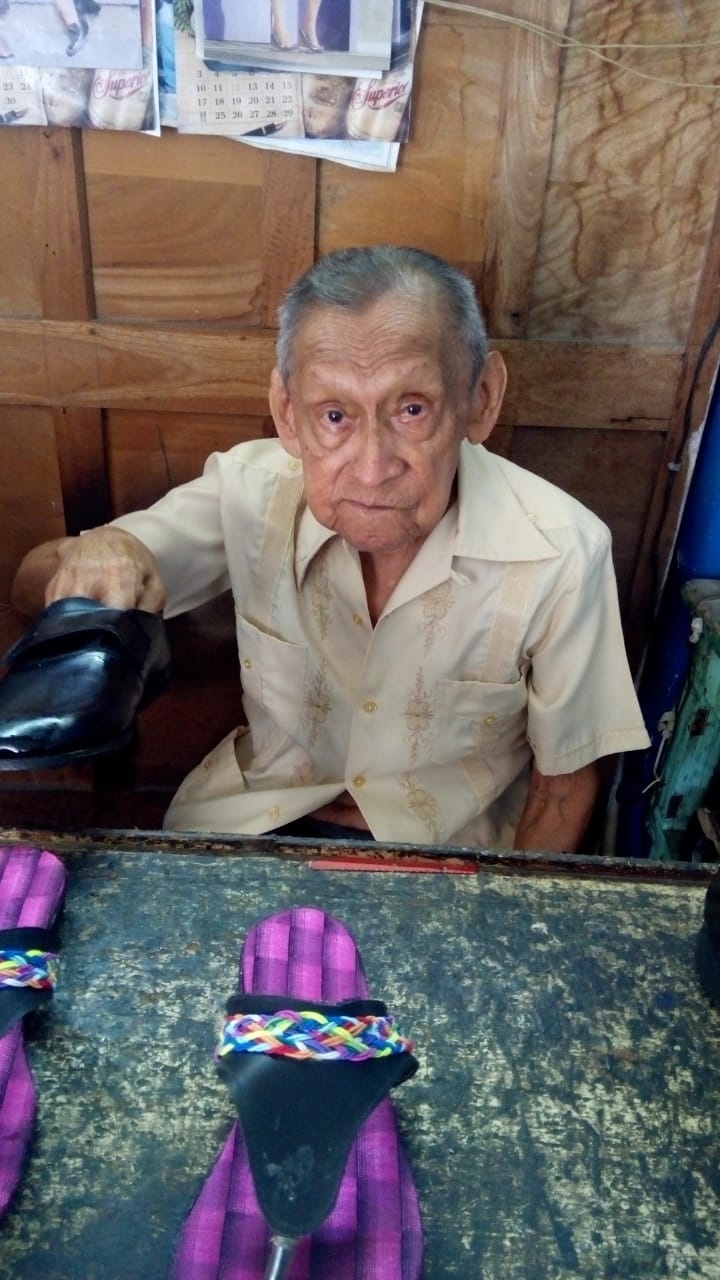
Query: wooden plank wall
[(140, 280)]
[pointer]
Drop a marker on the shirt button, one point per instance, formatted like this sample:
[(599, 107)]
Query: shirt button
[(273, 812), (294, 464), (357, 619), (490, 719), (359, 780), (370, 706), (207, 764), (247, 664), (532, 517)]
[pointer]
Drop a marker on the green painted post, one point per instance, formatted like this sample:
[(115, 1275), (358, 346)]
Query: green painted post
[(694, 751)]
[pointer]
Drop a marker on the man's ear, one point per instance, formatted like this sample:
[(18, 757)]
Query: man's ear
[(487, 398), (282, 412)]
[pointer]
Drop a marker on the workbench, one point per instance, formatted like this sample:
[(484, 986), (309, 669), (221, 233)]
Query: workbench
[(565, 1119)]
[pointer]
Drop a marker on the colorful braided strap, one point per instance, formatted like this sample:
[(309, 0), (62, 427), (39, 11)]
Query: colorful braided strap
[(28, 968), (307, 1034)]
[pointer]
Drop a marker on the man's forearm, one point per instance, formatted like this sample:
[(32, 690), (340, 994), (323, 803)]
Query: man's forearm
[(557, 810)]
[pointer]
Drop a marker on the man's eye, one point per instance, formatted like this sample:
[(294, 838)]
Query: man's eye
[(413, 409), (334, 416)]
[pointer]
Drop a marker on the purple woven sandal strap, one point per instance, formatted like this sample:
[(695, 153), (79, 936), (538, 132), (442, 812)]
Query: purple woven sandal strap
[(32, 886)]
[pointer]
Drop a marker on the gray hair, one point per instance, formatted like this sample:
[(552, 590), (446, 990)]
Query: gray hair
[(354, 278)]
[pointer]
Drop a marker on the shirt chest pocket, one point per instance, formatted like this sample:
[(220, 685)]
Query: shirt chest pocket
[(473, 716), (273, 674)]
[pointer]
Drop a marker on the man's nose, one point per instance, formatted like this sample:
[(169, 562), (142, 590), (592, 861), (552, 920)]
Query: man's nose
[(376, 459)]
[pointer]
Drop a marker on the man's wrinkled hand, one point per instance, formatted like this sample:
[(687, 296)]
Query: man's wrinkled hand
[(108, 565)]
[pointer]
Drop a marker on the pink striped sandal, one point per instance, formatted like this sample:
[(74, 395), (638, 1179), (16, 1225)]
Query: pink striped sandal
[(32, 885), (312, 1183)]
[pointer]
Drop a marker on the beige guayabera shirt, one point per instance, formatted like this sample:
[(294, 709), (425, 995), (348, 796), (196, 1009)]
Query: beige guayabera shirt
[(501, 642)]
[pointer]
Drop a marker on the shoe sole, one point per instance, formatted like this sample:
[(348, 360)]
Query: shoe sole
[(16, 764)]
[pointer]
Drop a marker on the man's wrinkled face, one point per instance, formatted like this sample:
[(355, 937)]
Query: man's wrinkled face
[(376, 411)]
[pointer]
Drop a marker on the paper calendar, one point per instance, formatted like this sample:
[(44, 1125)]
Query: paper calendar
[(224, 101)]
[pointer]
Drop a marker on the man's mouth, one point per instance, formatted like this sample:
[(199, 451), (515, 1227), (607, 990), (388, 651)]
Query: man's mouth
[(371, 506)]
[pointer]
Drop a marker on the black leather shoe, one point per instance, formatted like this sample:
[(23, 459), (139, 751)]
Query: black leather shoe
[(78, 32), (76, 680)]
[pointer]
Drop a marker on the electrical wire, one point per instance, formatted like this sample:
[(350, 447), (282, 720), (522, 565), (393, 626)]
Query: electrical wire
[(564, 41)]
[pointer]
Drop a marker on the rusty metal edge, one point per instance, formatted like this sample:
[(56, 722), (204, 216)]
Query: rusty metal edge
[(386, 857)]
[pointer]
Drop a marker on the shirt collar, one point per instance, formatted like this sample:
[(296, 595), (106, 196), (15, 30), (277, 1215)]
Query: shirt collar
[(493, 523), (311, 536)]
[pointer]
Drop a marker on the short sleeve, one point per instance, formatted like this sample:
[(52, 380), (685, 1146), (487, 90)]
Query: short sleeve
[(184, 533), (581, 699)]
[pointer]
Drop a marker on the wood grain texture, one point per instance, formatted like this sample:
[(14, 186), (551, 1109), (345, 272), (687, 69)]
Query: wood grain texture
[(288, 227), (633, 181), (60, 232), (581, 385), (196, 228), (20, 287), (217, 369), (150, 452), (61, 236), (31, 500), (43, 225), (107, 365), (80, 447), (526, 125), (440, 195)]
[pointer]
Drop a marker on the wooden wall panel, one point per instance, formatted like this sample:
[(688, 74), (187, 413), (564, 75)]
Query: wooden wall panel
[(20, 293), (582, 385), (633, 181), (527, 124), (440, 195), (31, 500), (168, 240), (121, 365), (151, 452), (196, 368), (42, 225), (187, 230)]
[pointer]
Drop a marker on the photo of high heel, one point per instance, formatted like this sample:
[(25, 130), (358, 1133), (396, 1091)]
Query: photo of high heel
[(284, 25), (294, 25), (309, 44), (277, 43), (309, 11)]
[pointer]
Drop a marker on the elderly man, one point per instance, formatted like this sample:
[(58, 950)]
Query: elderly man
[(429, 638)]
